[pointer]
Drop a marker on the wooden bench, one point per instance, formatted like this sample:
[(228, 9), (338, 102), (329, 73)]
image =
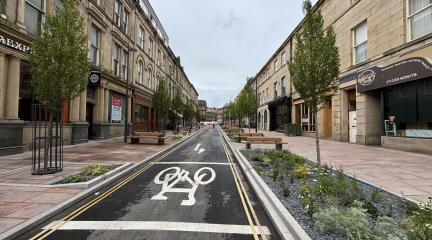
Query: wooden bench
[(234, 130), (244, 136), (137, 136), (264, 140)]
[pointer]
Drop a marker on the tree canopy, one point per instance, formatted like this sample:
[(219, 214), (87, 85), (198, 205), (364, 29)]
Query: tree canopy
[(162, 102), (315, 66), (59, 62)]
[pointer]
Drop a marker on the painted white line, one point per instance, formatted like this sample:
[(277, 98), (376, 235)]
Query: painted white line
[(197, 163), (197, 146), (157, 226), (13, 170), (201, 150)]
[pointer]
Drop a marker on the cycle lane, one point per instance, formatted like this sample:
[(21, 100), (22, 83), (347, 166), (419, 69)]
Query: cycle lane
[(192, 193)]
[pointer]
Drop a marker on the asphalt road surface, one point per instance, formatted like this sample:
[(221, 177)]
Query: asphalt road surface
[(194, 192)]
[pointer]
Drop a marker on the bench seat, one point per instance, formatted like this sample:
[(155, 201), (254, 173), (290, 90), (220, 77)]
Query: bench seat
[(264, 140)]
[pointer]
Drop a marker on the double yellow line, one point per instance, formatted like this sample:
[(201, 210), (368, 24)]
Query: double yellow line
[(248, 208), (45, 233)]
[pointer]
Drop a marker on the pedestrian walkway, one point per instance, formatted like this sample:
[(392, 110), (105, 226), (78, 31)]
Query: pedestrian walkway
[(403, 173), (23, 196)]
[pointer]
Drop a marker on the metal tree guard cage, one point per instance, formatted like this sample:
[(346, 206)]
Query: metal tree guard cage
[(47, 140)]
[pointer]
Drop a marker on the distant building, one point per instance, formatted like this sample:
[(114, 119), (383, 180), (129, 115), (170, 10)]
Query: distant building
[(202, 108)]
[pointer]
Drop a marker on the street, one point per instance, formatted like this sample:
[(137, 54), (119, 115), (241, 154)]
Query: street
[(193, 192)]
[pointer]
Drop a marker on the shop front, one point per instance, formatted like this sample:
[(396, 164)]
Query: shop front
[(144, 117), (280, 113), (405, 95), (15, 82)]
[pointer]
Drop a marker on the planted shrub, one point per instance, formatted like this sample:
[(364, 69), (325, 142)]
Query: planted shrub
[(420, 222), (352, 223), (87, 174), (292, 129), (301, 171), (388, 229)]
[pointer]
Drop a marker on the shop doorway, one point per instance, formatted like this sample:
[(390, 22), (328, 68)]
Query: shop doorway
[(352, 126), (327, 120), (89, 119)]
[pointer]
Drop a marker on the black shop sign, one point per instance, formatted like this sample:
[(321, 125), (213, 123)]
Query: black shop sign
[(401, 72)]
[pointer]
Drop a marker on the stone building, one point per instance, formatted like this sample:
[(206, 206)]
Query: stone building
[(202, 108), (128, 48), (385, 76)]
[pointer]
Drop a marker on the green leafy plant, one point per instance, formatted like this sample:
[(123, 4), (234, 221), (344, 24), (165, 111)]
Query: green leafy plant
[(301, 171), (352, 223), (419, 223), (88, 173), (292, 129), (376, 195), (309, 198), (388, 229)]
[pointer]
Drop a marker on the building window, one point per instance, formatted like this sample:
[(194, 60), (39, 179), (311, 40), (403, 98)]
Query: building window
[(267, 95), (150, 77), (360, 43), (150, 49), (283, 58), (159, 57), (125, 64), (116, 59), (275, 90), (283, 87), (125, 21), (117, 12), (420, 17), (94, 45), (276, 67), (33, 15), (141, 38), (140, 68)]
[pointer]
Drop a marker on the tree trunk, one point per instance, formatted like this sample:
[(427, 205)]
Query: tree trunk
[(317, 143)]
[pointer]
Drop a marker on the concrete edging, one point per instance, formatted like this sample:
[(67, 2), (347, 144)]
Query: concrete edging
[(286, 225), (32, 222)]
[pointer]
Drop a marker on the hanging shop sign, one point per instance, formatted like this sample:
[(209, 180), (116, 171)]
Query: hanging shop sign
[(404, 71), (116, 109), (95, 78), (14, 44)]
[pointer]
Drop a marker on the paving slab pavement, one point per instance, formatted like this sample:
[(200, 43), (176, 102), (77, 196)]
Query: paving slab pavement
[(406, 174), (23, 196)]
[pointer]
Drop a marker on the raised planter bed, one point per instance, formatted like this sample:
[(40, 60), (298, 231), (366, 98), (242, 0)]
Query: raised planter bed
[(328, 204)]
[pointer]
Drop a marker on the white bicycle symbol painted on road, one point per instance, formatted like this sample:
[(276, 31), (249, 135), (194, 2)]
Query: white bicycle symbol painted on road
[(173, 175)]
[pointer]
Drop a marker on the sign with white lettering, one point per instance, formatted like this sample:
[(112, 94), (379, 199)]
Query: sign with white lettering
[(404, 71), (14, 44)]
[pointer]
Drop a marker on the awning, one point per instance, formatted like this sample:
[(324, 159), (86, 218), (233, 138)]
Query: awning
[(400, 72)]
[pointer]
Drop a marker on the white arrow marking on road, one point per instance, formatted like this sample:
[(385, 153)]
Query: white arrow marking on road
[(199, 148)]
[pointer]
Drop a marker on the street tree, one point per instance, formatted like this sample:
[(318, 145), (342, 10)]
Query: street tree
[(59, 62), (189, 113), (162, 103), (232, 110), (177, 106), (314, 68)]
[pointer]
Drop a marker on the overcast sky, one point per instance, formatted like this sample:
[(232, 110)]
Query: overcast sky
[(222, 42)]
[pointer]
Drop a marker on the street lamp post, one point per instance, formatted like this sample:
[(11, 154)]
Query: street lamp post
[(126, 126)]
